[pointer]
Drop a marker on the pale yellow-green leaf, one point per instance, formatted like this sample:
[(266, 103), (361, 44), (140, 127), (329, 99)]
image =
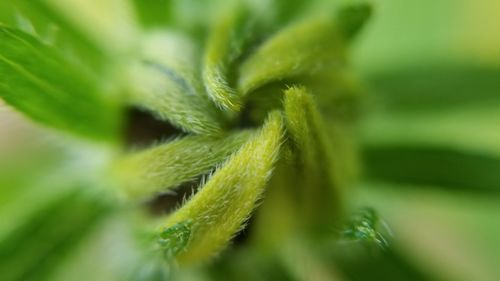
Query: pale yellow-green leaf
[(224, 203), (165, 81), (319, 191), (224, 46), (161, 168), (304, 47)]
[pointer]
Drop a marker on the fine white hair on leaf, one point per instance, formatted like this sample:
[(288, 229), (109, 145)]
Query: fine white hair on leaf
[(220, 209), (228, 36), (304, 47), (145, 173), (314, 165), (166, 82)]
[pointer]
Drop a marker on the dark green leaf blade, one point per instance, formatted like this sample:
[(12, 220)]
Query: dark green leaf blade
[(38, 81), (352, 17)]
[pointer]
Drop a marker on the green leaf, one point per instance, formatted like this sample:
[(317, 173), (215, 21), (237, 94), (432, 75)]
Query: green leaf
[(224, 203), (319, 192), (304, 47), (41, 83), (352, 17), (224, 45), (163, 167), (166, 82)]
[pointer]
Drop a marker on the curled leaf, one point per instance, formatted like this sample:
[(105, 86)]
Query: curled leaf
[(224, 46), (305, 47), (319, 191), (160, 168), (165, 82), (224, 203)]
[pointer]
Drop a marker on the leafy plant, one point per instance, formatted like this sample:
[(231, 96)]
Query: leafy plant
[(213, 140), (237, 98)]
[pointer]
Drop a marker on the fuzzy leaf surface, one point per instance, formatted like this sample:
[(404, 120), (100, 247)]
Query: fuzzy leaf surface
[(224, 46), (224, 203), (158, 169), (166, 82), (304, 47), (314, 162)]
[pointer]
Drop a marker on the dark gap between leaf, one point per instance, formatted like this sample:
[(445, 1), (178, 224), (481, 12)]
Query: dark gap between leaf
[(143, 129), (167, 202), (260, 102), (241, 238)]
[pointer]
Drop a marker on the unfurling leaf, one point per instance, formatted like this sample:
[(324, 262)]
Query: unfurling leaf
[(224, 46), (352, 17), (146, 173), (165, 81), (321, 197), (305, 47), (224, 203), (38, 81)]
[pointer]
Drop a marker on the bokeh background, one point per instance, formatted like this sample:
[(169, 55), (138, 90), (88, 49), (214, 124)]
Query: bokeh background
[(430, 136)]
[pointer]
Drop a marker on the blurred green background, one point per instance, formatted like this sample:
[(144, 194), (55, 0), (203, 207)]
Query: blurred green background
[(431, 133)]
